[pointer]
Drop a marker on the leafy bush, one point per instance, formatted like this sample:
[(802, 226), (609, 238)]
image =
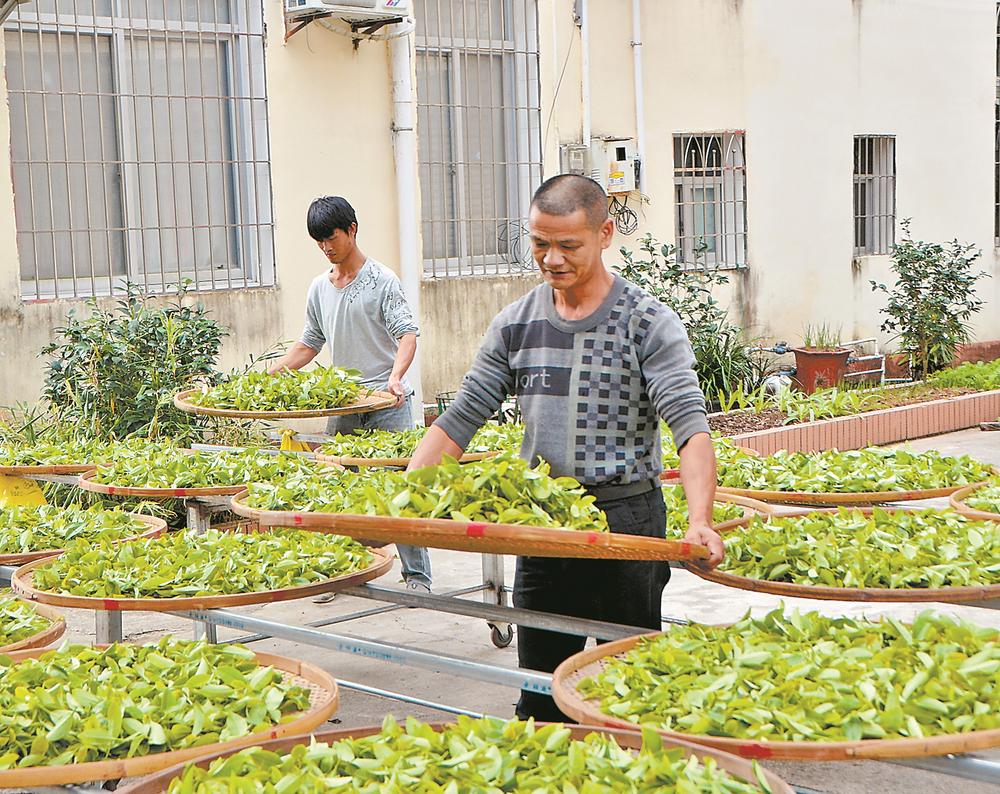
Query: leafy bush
[(722, 360), (982, 376), (114, 372), (933, 298)]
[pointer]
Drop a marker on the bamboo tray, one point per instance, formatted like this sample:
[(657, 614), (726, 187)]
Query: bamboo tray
[(397, 463), (323, 700), (630, 739), (828, 593), (373, 401), (590, 662), (486, 538), (22, 583), (87, 484), (957, 501), (28, 471), (43, 638), (861, 498), (155, 527)]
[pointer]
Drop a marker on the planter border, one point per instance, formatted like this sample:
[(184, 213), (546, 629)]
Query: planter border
[(877, 428)]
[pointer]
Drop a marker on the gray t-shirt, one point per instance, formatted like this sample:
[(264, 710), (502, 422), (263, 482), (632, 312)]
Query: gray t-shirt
[(591, 391), (362, 323)]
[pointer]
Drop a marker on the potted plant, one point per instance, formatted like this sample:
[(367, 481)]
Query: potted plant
[(821, 361)]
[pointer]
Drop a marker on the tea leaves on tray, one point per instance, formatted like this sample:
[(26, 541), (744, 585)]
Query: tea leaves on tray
[(289, 390), (79, 704), (184, 564), (19, 620), (40, 528), (808, 677), (473, 755)]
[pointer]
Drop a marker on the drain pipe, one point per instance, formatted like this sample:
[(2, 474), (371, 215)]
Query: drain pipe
[(585, 66), (404, 150), (640, 100)]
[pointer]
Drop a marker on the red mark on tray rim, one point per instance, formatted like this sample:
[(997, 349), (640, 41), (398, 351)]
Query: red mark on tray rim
[(475, 530), (685, 548), (111, 489), (110, 604), (297, 520), (754, 751), (591, 537)]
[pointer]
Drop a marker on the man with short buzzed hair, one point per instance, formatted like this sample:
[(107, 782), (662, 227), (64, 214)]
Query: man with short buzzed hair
[(595, 362)]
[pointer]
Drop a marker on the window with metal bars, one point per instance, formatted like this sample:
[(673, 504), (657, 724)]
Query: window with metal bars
[(479, 133), (139, 145), (710, 179), (996, 143), (874, 194)]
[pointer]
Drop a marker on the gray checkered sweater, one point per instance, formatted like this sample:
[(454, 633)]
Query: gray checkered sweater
[(591, 391)]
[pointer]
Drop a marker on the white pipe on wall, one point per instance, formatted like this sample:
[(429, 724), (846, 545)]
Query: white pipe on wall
[(585, 64), (404, 150), (640, 101)]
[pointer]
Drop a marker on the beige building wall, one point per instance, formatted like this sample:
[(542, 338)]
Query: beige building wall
[(800, 78)]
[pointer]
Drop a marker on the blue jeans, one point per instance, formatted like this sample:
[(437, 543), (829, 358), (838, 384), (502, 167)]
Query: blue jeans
[(415, 560)]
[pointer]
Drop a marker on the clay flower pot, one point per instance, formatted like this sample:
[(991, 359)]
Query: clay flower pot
[(818, 369)]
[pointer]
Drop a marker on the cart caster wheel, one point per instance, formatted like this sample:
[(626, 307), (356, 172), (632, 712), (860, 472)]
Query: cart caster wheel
[(501, 639)]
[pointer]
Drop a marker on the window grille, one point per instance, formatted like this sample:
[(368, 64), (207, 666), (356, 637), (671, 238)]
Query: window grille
[(874, 194), (479, 133), (710, 180), (139, 145)]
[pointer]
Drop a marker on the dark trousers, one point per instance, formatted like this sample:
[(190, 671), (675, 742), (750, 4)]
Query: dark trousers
[(616, 591)]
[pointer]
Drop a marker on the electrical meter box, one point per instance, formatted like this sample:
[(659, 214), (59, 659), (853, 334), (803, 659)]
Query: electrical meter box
[(574, 158), (614, 164)]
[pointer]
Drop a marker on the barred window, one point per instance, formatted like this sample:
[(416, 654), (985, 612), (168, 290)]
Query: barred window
[(711, 183), (874, 194), (996, 144), (139, 145), (479, 133)]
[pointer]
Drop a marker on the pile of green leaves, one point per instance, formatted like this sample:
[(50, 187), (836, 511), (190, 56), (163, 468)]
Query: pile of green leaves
[(895, 550), (31, 528), (71, 452), (504, 490), (473, 755), (986, 498), (80, 704), (114, 372), (854, 471), (289, 390), (725, 450), (18, 621), (166, 466), (677, 512), (981, 376), (403, 443), (809, 678), (183, 564)]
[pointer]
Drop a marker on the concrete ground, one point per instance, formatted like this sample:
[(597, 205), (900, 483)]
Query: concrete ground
[(686, 596)]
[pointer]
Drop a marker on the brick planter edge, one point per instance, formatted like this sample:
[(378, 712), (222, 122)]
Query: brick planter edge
[(876, 428)]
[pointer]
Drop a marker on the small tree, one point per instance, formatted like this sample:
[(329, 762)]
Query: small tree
[(114, 372), (933, 299)]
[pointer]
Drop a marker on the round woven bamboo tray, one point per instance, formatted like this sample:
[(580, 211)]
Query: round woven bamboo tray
[(862, 498), (827, 593), (630, 739), (394, 463), (481, 537), (958, 502), (373, 401), (87, 484), (155, 526), (590, 662), (22, 583), (323, 701), (43, 638), (28, 471)]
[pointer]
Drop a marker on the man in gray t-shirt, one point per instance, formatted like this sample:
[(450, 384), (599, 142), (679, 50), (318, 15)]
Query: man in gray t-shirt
[(357, 308)]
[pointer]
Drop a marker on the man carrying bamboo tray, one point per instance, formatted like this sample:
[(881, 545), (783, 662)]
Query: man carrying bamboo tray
[(595, 363), (357, 307)]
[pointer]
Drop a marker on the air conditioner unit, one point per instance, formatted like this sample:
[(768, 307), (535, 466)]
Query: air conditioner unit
[(353, 11)]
